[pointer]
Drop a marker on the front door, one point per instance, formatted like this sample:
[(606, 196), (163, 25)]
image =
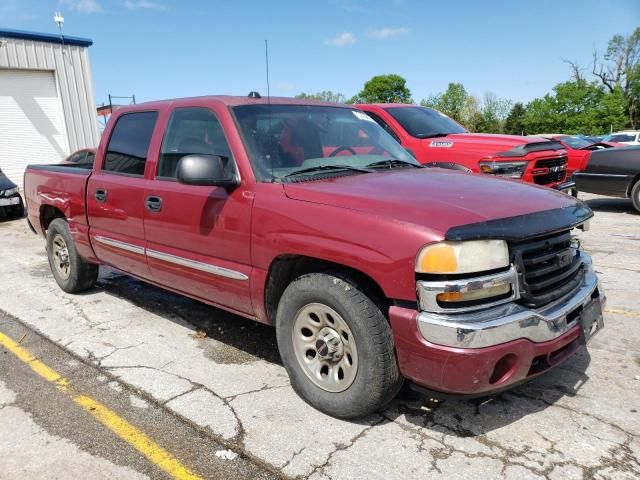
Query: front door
[(115, 195), (198, 237)]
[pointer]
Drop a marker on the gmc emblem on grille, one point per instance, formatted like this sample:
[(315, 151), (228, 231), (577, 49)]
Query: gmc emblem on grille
[(558, 168), (564, 259)]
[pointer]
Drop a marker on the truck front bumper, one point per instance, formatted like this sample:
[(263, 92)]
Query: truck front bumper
[(566, 187), (489, 350)]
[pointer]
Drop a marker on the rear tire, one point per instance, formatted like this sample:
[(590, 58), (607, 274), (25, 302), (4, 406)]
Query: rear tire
[(72, 273), (337, 346), (635, 196)]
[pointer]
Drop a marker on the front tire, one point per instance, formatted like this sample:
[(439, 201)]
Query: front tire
[(635, 196), (337, 346), (72, 273)]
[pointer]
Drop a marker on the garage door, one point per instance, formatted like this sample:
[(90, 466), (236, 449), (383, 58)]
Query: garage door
[(31, 121)]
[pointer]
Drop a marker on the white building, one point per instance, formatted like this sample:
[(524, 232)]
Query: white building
[(47, 105)]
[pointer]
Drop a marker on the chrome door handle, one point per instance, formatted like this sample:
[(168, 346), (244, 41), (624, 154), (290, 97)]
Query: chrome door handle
[(153, 203), (100, 195)]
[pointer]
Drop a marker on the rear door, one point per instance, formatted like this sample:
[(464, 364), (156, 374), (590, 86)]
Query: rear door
[(116, 194), (198, 237)]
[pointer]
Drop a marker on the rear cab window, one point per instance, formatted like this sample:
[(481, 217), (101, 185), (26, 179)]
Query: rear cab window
[(78, 157), (128, 146)]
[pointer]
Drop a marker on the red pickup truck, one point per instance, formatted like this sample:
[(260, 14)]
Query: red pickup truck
[(437, 140), (373, 269)]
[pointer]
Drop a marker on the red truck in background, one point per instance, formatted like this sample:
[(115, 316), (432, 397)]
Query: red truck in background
[(310, 217), (579, 150), (437, 140)]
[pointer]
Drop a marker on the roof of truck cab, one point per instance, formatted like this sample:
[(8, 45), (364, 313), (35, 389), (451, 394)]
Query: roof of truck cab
[(387, 105), (231, 101)]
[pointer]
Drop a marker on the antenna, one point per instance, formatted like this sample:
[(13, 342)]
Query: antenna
[(59, 19), (266, 57)]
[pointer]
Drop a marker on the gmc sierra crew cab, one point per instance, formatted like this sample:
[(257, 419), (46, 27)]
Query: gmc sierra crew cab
[(308, 216), (437, 140)]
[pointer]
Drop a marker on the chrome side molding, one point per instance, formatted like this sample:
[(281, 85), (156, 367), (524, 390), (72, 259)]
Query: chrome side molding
[(176, 260), (121, 245), (204, 267)]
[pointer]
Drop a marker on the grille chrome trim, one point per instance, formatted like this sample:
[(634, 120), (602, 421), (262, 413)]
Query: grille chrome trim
[(549, 268), (512, 321)]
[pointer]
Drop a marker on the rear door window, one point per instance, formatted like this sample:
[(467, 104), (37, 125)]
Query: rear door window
[(129, 143)]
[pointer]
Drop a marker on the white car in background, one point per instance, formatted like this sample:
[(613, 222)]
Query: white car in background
[(630, 137)]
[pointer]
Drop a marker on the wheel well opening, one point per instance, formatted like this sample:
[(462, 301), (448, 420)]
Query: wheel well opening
[(48, 214), (287, 268), (632, 184)]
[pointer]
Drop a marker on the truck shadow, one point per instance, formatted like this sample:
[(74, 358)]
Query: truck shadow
[(473, 418), (255, 340), (613, 205), (460, 418)]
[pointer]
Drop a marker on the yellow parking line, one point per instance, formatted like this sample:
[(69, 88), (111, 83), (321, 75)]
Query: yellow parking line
[(623, 312), (118, 425)]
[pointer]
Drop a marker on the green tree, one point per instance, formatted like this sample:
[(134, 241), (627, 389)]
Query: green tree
[(514, 123), (390, 88), (486, 115), (324, 96), (472, 114), (451, 102), (619, 69), (494, 112), (576, 107)]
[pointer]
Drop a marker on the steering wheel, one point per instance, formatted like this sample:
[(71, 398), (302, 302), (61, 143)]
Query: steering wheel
[(342, 149)]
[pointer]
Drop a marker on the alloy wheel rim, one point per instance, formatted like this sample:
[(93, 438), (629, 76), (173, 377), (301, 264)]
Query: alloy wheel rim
[(325, 347), (61, 260)]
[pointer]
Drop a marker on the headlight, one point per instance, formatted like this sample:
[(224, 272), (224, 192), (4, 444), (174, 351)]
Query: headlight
[(10, 192), (504, 169), (463, 295), (463, 257)]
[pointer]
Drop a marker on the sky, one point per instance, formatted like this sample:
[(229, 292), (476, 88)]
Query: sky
[(158, 49)]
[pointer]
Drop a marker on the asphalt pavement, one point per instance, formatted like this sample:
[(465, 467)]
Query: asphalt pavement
[(208, 390)]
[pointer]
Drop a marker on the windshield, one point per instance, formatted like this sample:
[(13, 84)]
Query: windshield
[(422, 122), (576, 142), (620, 137), (285, 139)]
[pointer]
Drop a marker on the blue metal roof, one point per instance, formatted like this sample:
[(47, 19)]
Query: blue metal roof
[(45, 37)]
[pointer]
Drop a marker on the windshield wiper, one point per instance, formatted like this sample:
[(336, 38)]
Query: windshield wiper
[(432, 135), (393, 162), (323, 168)]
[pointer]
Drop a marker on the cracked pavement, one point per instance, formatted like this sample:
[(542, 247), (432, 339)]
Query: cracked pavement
[(580, 420)]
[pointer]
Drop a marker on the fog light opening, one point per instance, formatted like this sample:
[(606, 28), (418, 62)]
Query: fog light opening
[(505, 367)]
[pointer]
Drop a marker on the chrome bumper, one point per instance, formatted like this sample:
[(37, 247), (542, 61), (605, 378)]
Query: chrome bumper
[(568, 185), (511, 321)]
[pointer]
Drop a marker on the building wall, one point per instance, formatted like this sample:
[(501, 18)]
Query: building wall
[(72, 72)]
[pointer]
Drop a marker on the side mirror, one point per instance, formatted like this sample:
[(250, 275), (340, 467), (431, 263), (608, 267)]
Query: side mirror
[(207, 170)]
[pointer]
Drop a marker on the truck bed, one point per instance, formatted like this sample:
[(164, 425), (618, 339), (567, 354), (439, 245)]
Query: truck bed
[(57, 190)]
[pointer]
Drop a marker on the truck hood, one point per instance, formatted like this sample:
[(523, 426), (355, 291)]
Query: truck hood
[(434, 199), (5, 183), (483, 143)]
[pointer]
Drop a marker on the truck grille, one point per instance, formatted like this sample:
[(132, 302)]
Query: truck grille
[(551, 177), (548, 268)]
